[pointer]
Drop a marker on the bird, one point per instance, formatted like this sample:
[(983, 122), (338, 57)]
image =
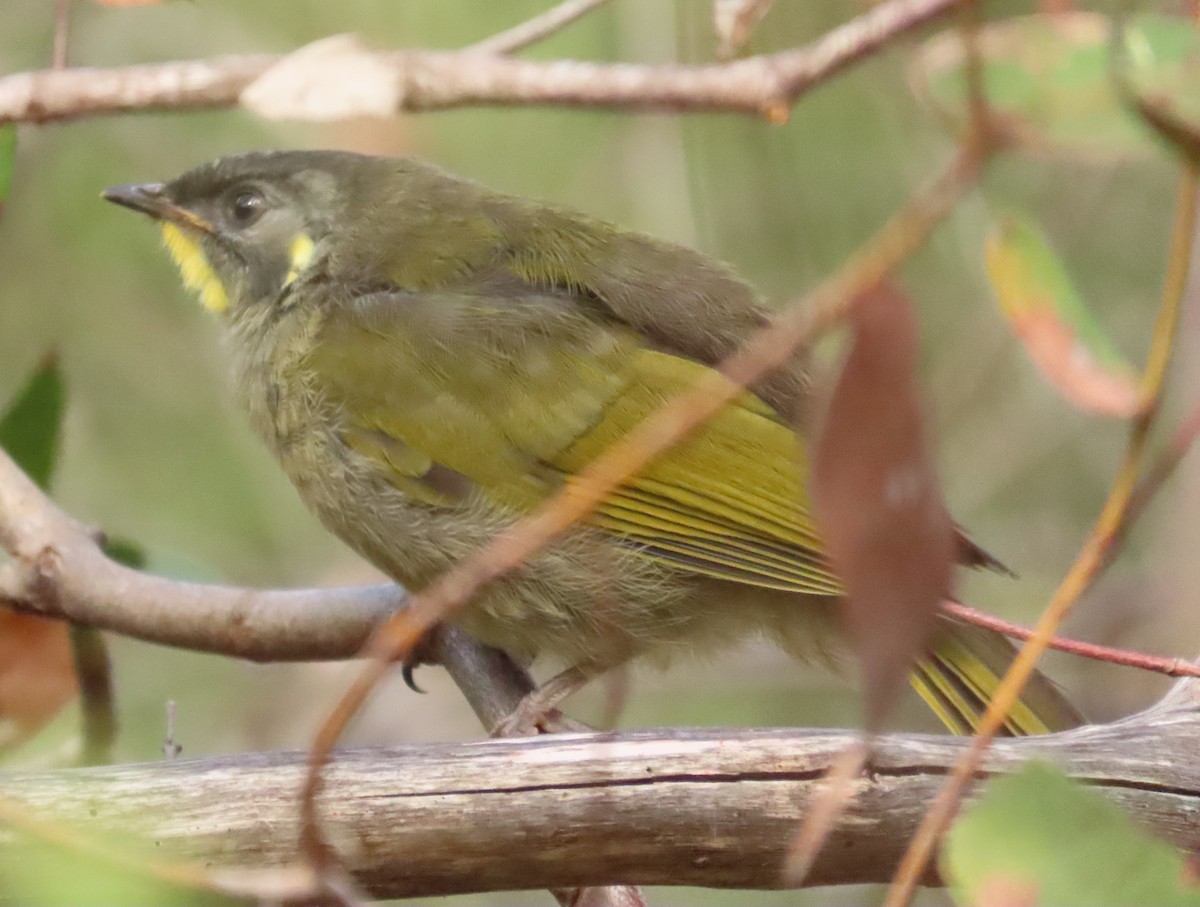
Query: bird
[(429, 359)]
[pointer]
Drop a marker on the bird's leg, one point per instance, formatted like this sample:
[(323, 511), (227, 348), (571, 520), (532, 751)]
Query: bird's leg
[(537, 713)]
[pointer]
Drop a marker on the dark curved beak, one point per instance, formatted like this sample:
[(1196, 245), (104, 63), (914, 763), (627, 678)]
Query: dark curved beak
[(152, 199)]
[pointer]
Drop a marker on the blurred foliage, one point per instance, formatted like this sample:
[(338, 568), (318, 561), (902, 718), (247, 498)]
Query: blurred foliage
[(1056, 842), (31, 425), (155, 448), (51, 877), (1050, 79)]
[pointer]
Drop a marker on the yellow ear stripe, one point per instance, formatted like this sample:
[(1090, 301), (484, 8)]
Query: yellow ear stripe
[(301, 254), (194, 268)]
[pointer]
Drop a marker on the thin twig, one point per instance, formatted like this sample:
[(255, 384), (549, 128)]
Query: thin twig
[(62, 33), (442, 80), (1151, 483), (536, 29), (1087, 565), (734, 22), (769, 349), (979, 119), (1181, 442), (1171, 667)]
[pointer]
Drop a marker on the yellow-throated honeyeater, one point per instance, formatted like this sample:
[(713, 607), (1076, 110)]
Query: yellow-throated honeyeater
[(429, 359)]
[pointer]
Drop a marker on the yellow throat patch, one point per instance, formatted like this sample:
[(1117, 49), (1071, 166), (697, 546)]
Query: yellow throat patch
[(193, 266), (301, 255)]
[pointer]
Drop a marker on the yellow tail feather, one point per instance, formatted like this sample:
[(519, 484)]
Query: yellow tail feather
[(961, 673)]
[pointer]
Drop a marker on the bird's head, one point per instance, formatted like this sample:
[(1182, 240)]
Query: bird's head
[(244, 227)]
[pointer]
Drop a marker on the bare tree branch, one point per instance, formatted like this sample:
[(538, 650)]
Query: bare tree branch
[(59, 570), (706, 807), (425, 80)]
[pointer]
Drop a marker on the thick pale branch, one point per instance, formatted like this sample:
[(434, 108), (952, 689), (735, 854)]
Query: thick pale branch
[(58, 569), (685, 807), (423, 80)]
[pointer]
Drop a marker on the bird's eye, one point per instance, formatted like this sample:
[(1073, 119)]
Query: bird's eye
[(247, 206)]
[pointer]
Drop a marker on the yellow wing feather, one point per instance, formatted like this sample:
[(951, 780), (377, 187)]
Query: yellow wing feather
[(727, 502)]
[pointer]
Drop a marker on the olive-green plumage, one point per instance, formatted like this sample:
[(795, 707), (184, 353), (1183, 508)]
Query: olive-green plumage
[(429, 359)]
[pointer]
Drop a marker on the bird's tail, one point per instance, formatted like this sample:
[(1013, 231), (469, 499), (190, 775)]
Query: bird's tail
[(962, 671)]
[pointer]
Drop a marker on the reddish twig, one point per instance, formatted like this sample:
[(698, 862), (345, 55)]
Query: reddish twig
[(1172, 667)]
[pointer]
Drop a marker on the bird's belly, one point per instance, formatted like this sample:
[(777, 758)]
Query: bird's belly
[(588, 598)]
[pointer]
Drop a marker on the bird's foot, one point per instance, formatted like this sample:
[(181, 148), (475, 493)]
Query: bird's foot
[(537, 713), (529, 719), (423, 653)]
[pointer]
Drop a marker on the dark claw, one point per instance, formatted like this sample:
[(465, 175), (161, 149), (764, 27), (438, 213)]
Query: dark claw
[(423, 653), (406, 671)]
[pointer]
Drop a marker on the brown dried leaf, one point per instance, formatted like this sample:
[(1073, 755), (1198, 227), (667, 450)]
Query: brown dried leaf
[(127, 2), (37, 676), (877, 497)]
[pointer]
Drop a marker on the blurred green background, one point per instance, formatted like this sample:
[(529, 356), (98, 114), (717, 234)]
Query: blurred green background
[(155, 449)]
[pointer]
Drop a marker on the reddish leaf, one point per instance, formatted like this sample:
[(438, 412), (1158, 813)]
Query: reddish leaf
[(1007, 891), (1059, 333), (877, 497), (1052, 344), (37, 676)]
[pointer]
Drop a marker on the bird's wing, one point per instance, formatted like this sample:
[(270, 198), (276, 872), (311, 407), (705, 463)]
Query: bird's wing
[(512, 397), (729, 501)]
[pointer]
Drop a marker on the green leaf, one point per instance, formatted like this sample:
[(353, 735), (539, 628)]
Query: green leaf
[(30, 428), (8, 151), (1041, 833), (1057, 329), (1048, 79), (126, 551)]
